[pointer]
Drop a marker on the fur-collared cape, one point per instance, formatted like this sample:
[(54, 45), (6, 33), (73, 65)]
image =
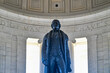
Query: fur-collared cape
[(64, 48)]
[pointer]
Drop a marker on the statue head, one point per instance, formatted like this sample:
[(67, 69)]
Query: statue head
[(56, 25)]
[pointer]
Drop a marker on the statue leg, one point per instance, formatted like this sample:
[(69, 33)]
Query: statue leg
[(61, 65), (52, 64)]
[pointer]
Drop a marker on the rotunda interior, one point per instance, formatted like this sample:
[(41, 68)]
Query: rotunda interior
[(24, 19)]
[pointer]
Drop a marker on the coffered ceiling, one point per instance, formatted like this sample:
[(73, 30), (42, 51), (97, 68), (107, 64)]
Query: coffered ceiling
[(55, 7)]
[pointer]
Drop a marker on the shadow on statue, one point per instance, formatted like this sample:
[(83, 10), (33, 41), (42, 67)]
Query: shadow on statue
[(55, 51)]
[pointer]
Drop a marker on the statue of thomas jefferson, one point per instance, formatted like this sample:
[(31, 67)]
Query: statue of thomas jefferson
[(55, 51)]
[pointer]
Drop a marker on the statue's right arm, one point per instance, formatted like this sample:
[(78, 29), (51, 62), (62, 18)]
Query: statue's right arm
[(44, 47)]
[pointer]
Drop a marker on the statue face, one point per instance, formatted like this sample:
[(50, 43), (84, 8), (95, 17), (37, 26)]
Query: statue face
[(55, 25)]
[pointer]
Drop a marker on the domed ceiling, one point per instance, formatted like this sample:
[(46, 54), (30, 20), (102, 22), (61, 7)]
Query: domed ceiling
[(54, 7)]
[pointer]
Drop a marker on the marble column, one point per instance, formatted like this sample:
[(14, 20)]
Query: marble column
[(8, 60), (2, 54), (41, 64), (103, 53), (71, 50), (21, 54), (92, 54)]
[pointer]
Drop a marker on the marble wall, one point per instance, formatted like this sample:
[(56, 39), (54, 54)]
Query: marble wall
[(14, 33)]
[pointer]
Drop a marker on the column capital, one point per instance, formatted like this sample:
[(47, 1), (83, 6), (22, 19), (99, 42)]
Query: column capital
[(92, 36), (72, 40), (21, 38), (40, 41)]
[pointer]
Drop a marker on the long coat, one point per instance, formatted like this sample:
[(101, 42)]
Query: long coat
[(64, 48)]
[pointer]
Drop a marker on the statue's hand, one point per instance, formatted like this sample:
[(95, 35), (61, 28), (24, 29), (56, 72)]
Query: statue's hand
[(45, 62), (69, 69)]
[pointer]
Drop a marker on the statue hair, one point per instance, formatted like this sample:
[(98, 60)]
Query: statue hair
[(58, 22)]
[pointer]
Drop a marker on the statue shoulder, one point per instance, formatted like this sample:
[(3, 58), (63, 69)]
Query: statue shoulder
[(47, 35), (64, 35)]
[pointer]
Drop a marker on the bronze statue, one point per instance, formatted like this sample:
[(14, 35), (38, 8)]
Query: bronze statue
[(55, 51)]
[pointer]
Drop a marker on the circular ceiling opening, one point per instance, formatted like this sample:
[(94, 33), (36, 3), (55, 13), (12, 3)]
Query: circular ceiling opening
[(55, 7)]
